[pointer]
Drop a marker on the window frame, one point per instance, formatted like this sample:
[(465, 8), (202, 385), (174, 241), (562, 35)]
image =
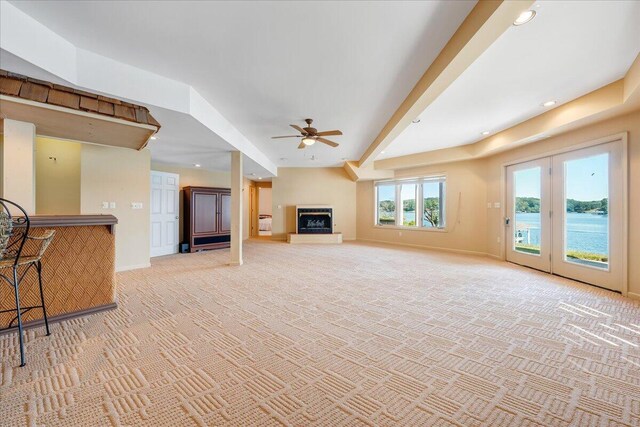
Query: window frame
[(419, 181)]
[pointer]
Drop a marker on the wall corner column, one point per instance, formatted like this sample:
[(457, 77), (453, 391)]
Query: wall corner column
[(236, 207), (18, 164)]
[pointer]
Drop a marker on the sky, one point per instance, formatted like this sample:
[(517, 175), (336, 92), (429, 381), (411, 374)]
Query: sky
[(586, 179), (408, 191)]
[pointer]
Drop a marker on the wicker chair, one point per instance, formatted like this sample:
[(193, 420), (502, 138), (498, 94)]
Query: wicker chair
[(15, 240)]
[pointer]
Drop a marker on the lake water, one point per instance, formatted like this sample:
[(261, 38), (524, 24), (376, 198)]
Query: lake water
[(585, 232)]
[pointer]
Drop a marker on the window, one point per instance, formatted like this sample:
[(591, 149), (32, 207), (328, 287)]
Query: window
[(433, 203), (408, 200), (386, 204), (421, 203)]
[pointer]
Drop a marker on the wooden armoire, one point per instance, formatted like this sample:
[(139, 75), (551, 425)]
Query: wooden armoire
[(207, 218)]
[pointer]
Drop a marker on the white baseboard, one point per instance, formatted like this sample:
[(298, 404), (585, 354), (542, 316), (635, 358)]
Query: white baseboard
[(132, 267), (633, 295), (435, 248)]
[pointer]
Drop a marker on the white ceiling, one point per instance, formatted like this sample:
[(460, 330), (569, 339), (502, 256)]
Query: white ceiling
[(569, 49), (183, 140), (264, 65)]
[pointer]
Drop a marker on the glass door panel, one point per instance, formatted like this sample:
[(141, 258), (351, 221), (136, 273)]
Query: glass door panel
[(588, 215), (527, 221), (586, 219)]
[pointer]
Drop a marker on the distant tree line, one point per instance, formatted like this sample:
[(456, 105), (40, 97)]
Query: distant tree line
[(431, 208), (532, 205)]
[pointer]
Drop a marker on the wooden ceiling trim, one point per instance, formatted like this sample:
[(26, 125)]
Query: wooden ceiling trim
[(67, 113)]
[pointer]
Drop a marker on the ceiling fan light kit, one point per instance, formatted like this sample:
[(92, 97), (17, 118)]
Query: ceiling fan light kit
[(310, 135)]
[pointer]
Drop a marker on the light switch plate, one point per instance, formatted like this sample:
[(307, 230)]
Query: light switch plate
[(105, 205), (496, 205), (112, 205), (136, 205)]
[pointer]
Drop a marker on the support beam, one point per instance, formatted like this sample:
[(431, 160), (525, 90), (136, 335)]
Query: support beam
[(357, 173), (487, 21), (236, 207), (18, 164)]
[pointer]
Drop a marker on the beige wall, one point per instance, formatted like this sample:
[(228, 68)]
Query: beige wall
[(18, 165), (627, 123), (57, 177), (307, 186), (466, 211), (122, 176)]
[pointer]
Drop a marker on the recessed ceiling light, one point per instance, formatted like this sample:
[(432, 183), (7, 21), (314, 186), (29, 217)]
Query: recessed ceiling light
[(259, 177), (283, 158), (344, 159), (196, 165), (549, 104), (154, 138), (382, 152), (415, 121), (486, 132), (524, 17)]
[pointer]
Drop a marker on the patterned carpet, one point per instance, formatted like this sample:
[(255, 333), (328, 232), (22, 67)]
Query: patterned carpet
[(348, 335)]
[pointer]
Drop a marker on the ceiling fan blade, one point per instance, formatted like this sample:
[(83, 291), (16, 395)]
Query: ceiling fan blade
[(329, 133), (302, 145), (287, 136), (329, 143), (299, 129)]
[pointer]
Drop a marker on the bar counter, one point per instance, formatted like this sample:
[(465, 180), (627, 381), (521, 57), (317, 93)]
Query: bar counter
[(78, 269)]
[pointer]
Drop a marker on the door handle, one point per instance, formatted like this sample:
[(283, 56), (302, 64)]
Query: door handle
[(177, 217), (507, 221)]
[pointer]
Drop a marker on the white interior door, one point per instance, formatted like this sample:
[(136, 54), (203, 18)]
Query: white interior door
[(528, 207), (164, 213), (588, 220)]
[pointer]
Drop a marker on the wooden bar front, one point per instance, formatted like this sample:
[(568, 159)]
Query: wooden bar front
[(78, 269)]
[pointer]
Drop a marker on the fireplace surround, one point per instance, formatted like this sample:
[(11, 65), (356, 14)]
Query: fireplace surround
[(314, 219)]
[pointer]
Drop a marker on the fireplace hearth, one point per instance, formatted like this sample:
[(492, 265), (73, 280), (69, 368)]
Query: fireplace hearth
[(314, 219)]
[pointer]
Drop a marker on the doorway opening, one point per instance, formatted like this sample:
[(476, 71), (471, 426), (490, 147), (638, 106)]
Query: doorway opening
[(265, 213)]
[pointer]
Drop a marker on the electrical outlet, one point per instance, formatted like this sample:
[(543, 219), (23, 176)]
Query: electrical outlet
[(105, 205), (112, 205), (498, 239), (489, 205)]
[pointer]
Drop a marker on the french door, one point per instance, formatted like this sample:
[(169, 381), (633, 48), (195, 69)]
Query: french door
[(565, 214), (529, 220)]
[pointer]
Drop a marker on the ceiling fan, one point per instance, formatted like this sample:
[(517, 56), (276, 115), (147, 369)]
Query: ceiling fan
[(310, 135)]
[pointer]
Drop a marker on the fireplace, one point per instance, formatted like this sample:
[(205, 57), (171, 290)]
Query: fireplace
[(314, 219)]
